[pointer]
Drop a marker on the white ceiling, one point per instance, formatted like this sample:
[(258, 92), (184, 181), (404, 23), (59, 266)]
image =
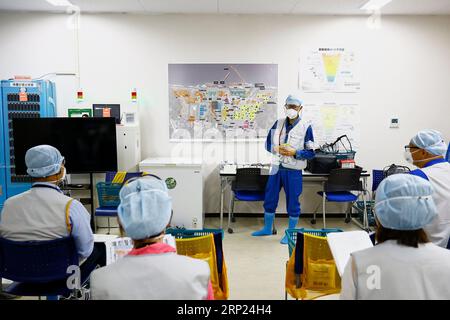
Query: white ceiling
[(310, 7)]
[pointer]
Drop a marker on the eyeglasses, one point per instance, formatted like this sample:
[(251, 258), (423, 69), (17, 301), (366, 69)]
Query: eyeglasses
[(292, 107), (408, 147)]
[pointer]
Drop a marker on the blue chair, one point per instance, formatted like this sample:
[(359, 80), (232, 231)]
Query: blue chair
[(377, 177), (339, 187), (108, 205), (38, 268), (249, 185), (447, 157)]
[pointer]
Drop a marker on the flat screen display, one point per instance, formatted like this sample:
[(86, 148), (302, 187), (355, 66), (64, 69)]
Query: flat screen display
[(87, 144), (106, 111)]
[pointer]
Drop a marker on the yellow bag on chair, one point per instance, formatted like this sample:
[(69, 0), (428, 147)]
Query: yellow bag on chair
[(319, 276), (204, 248)]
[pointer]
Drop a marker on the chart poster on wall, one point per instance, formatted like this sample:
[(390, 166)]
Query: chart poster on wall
[(331, 120), (329, 70), (221, 102)]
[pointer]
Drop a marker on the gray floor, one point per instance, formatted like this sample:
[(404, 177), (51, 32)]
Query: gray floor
[(256, 265)]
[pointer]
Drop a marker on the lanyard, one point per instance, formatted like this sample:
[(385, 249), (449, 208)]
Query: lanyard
[(281, 132)]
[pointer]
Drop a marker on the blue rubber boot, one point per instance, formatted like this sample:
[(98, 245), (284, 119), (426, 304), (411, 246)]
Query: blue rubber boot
[(268, 225), (292, 224)]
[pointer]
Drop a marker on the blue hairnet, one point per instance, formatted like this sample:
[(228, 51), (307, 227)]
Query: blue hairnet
[(404, 202), (431, 141), (293, 100), (43, 161), (145, 208)]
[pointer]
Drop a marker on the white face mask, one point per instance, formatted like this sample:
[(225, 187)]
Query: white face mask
[(291, 113), (408, 157)]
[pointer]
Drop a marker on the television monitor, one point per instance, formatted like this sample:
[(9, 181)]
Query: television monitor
[(88, 144), (106, 111)]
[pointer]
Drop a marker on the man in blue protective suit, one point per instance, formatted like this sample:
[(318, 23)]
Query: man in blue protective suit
[(291, 141)]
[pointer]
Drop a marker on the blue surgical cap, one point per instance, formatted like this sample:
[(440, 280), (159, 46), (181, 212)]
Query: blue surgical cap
[(43, 161), (293, 100), (145, 208), (431, 141), (403, 202)]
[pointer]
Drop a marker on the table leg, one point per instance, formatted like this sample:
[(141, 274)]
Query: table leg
[(222, 189)]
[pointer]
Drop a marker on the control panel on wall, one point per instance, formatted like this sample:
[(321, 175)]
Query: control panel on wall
[(30, 108)]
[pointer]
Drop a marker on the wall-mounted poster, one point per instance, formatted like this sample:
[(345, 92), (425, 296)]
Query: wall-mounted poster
[(329, 70), (331, 120), (217, 102)]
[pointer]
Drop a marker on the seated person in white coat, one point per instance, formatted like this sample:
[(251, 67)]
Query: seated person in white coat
[(427, 150), (152, 270), (45, 213), (404, 265)]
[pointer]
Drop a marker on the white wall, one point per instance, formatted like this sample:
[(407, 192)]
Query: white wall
[(405, 70)]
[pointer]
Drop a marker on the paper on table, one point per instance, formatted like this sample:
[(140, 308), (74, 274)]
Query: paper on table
[(117, 248), (104, 237), (170, 240), (229, 169), (342, 244)]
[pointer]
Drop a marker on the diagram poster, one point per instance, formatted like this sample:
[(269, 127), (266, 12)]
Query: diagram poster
[(332, 120), (222, 101), (329, 70)]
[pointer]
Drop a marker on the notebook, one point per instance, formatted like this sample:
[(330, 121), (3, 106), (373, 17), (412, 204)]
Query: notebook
[(342, 244)]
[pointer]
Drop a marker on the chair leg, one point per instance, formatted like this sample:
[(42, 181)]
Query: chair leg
[(348, 213), (323, 209), (313, 220), (366, 218), (95, 222), (233, 218), (285, 291), (230, 210)]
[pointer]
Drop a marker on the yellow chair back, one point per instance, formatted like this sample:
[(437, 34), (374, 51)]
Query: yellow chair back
[(319, 277), (204, 248)]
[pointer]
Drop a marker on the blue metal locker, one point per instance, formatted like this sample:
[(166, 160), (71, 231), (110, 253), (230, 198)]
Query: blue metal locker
[(38, 99), (2, 160)]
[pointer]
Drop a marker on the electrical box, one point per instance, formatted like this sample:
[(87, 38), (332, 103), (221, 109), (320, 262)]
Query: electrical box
[(184, 178), (128, 147), (20, 99), (394, 123)]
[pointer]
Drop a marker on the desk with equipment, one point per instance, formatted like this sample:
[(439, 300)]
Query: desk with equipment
[(228, 172)]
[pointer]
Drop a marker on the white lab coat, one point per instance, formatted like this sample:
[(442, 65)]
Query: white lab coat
[(163, 276), (390, 271), (38, 214), (438, 230)]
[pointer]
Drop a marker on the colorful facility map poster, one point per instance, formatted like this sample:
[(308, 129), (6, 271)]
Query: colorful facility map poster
[(332, 120), (329, 70), (222, 101)]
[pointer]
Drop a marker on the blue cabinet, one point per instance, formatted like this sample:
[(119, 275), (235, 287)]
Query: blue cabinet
[(20, 99)]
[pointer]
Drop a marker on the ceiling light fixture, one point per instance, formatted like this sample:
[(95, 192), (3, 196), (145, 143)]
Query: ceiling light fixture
[(373, 5), (60, 3)]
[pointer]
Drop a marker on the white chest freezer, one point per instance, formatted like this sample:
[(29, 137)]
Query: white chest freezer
[(184, 178)]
